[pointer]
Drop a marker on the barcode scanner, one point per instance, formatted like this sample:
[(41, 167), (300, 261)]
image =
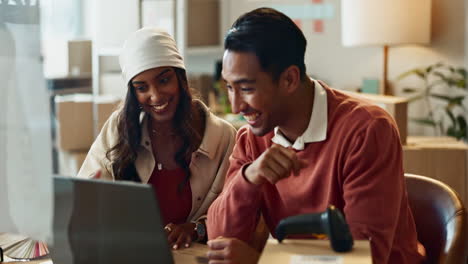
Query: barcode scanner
[(331, 222)]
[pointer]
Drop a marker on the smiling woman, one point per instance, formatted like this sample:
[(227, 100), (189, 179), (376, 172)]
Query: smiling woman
[(164, 137), (157, 91)]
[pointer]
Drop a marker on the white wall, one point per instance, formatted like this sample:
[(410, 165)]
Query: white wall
[(88, 18), (344, 67)]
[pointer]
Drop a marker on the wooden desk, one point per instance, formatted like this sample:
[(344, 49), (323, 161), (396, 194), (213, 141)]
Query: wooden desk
[(192, 255), (282, 253), (273, 252)]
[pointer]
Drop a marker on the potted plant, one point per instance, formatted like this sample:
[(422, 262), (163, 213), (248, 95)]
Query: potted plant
[(443, 91)]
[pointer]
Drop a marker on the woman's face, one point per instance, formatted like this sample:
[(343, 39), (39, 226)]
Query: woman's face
[(157, 91)]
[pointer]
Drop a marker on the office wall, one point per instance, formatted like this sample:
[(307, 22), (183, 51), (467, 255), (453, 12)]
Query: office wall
[(344, 67), (88, 18)]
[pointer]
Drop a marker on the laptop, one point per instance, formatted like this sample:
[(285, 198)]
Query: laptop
[(98, 221)]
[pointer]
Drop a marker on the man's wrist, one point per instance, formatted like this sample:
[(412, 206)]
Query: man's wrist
[(244, 172)]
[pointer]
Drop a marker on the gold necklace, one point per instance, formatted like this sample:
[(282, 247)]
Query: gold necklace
[(154, 132)]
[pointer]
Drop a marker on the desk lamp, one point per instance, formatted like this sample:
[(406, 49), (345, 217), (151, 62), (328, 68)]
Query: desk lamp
[(385, 23)]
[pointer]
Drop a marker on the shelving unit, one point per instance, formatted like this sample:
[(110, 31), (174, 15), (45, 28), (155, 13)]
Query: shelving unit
[(200, 45), (114, 22), (202, 51), (117, 21)]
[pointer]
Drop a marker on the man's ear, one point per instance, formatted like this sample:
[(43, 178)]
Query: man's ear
[(290, 79)]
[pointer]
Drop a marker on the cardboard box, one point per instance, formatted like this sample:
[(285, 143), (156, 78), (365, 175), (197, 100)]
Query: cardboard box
[(397, 107), (79, 57), (70, 162), (203, 23), (441, 158), (105, 106), (76, 125), (203, 84), (74, 122)]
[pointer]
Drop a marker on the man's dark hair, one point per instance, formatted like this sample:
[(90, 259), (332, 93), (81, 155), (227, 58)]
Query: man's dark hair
[(272, 36)]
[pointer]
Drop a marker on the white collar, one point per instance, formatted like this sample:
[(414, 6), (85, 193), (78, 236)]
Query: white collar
[(317, 129)]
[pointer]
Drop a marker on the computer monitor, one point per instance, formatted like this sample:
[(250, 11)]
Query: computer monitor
[(98, 221)]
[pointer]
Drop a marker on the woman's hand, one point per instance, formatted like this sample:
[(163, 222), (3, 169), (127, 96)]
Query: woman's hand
[(180, 235)]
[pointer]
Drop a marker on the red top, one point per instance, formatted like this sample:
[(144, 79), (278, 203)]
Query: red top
[(175, 203), (358, 168)]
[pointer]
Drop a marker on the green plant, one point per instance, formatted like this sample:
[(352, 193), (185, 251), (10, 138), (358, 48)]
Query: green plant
[(443, 92)]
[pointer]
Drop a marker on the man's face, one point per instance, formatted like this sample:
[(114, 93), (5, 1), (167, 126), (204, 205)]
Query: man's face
[(252, 92)]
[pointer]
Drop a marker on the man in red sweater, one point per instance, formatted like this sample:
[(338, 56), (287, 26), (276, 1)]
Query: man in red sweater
[(306, 146)]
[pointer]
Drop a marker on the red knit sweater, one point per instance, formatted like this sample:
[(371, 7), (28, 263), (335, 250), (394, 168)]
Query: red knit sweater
[(358, 168)]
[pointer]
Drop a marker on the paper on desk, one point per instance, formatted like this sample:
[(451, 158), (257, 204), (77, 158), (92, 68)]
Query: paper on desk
[(25, 138), (314, 259)]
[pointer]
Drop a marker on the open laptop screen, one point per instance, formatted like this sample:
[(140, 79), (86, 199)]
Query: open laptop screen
[(97, 221)]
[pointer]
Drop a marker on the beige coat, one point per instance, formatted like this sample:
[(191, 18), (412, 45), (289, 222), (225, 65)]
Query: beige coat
[(208, 165)]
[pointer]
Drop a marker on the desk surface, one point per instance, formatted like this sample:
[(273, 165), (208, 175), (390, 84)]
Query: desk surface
[(423, 142), (195, 254), (303, 250), (274, 252)]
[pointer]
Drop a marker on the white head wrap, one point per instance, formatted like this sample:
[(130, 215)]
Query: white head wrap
[(148, 48)]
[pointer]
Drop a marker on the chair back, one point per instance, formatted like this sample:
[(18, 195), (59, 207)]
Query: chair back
[(440, 218)]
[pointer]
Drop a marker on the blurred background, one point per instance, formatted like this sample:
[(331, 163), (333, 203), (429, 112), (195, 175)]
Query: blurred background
[(61, 78)]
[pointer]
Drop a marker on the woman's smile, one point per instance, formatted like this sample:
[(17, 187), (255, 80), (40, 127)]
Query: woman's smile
[(160, 108)]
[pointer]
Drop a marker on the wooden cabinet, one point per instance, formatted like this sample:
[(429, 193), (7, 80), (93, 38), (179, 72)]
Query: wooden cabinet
[(441, 158)]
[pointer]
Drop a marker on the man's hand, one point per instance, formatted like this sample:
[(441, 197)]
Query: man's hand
[(274, 164), (180, 235), (231, 250)]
